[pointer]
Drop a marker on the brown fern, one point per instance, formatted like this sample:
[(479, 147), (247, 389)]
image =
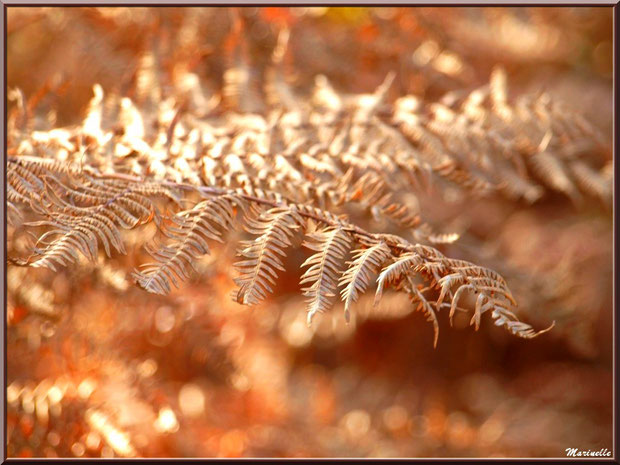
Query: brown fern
[(127, 204), (275, 228), (208, 219), (357, 278), (324, 267)]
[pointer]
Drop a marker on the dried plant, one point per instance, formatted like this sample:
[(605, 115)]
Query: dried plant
[(378, 166), (85, 209)]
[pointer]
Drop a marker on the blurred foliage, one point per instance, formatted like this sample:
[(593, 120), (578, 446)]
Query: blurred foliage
[(99, 368)]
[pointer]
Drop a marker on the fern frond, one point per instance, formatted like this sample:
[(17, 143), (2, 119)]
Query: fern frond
[(192, 228), (324, 268), (395, 271), (425, 307), (97, 210), (592, 181), (264, 255), (85, 209), (507, 319), (357, 278), (553, 172)]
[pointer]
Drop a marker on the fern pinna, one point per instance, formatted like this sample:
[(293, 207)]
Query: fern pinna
[(83, 209)]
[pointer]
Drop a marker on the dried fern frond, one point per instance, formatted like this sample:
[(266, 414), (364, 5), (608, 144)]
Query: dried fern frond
[(209, 219), (334, 152), (324, 267), (128, 203), (264, 255), (484, 140), (356, 278), (83, 211), (393, 272)]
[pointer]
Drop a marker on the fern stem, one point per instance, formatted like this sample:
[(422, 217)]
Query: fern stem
[(346, 226)]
